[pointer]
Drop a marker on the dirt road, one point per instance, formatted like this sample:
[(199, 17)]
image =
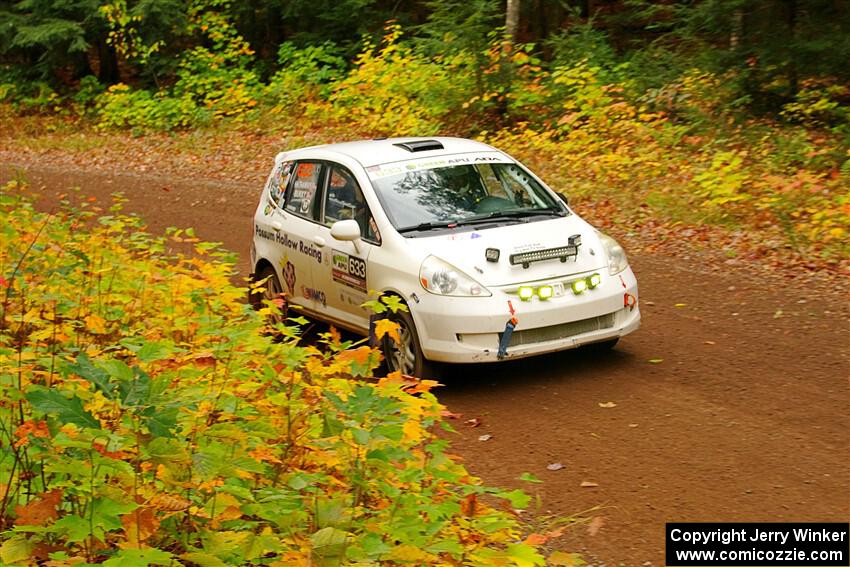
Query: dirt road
[(745, 417)]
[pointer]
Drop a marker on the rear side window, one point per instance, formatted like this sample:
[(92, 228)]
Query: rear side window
[(279, 180), (304, 189)]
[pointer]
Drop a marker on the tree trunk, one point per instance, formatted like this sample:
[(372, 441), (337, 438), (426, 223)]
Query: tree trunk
[(512, 20), (108, 73)]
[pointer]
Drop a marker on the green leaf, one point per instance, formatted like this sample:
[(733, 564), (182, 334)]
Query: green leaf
[(518, 499), (160, 422), (84, 368), (53, 403), (361, 436), (136, 391), (15, 549), (523, 555), (154, 351), (328, 542), (446, 546), (332, 513), (117, 369), (164, 450), (528, 477), (298, 482), (107, 513), (203, 559), (139, 558), (373, 545), (75, 528)]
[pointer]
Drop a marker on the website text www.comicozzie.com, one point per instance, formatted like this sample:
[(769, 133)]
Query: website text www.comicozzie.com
[(833, 557), (824, 544)]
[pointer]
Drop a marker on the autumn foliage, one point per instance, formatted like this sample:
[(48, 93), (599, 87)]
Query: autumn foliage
[(149, 417)]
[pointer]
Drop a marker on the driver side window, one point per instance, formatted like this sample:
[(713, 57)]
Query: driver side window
[(345, 200)]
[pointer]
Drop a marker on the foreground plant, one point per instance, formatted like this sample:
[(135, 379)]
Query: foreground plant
[(146, 418)]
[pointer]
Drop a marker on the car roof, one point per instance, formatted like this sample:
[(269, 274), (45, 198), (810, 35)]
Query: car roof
[(388, 150)]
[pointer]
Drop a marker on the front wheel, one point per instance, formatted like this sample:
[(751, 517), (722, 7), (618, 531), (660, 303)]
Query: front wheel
[(406, 355), (273, 292)]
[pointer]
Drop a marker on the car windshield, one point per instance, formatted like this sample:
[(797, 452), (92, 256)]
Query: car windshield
[(420, 196)]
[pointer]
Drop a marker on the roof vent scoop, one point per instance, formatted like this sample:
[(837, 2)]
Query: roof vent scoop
[(420, 145)]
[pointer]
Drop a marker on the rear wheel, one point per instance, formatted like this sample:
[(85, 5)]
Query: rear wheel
[(406, 355)]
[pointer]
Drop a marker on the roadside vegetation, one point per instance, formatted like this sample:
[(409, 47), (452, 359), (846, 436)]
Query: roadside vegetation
[(148, 416)]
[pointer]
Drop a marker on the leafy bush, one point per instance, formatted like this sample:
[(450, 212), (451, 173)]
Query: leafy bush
[(27, 95), (305, 74), (122, 107), (146, 418), (394, 90)]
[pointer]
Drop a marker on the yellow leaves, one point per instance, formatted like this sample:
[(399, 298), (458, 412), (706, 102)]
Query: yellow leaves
[(409, 554), (264, 454), (413, 432), (387, 326), (95, 324), (563, 559)]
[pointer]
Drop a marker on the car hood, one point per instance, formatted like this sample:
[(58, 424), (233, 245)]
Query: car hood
[(465, 249)]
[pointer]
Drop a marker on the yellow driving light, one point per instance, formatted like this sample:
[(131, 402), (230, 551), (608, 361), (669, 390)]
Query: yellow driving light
[(545, 292), (579, 286), (525, 293), (594, 280)]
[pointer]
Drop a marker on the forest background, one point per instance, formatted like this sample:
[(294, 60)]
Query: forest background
[(727, 113)]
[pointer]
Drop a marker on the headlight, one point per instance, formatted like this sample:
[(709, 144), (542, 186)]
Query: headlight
[(617, 261), (442, 278)]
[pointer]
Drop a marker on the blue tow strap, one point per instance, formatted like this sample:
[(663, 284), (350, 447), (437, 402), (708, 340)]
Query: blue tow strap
[(506, 339)]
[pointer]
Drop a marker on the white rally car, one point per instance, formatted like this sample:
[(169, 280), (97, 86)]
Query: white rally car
[(491, 263)]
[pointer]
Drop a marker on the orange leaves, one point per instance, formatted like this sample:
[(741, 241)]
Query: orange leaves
[(358, 355), (469, 505), (139, 525), (168, 502), (29, 428), (39, 511), (536, 539)]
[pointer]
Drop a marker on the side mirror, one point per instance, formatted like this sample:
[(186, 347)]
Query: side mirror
[(346, 230), (563, 198)]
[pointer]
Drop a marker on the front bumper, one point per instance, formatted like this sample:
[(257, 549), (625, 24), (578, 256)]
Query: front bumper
[(469, 329)]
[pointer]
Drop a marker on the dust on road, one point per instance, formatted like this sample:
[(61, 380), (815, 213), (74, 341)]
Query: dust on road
[(745, 417)]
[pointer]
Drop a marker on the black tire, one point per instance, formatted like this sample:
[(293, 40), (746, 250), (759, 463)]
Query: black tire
[(407, 356), (273, 290)]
